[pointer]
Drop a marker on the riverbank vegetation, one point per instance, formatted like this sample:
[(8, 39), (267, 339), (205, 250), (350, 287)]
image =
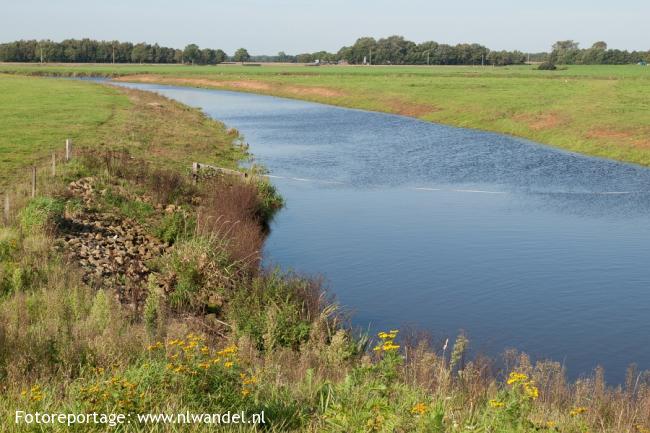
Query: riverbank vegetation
[(594, 110), (127, 286)]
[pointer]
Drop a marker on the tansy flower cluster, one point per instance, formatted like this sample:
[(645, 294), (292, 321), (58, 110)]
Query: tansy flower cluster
[(496, 403), (34, 394), (116, 392), (419, 409), (578, 411), (521, 381), (190, 355), (246, 382), (387, 343)]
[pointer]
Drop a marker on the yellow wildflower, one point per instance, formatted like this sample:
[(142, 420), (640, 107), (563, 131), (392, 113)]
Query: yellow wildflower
[(156, 346), (641, 429), (531, 390), (230, 350), (516, 378), (228, 364), (419, 409), (578, 411), (496, 403)]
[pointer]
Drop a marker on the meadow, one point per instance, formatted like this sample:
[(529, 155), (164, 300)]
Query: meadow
[(594, 110), (127, 286), (38, 115)]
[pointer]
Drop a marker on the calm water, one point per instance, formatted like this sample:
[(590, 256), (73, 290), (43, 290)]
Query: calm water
[(417, 224)]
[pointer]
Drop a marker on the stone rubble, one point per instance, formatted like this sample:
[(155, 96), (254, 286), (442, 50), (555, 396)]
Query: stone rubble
[(111, 251)]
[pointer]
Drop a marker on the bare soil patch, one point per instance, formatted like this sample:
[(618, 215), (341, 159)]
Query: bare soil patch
[(246, 85), (608, 133), (407, 108), (541, 121)]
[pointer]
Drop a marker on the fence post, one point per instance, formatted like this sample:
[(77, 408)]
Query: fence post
[(195, 172), (53, 163), (33, 181), (68, 149), (6, 209)]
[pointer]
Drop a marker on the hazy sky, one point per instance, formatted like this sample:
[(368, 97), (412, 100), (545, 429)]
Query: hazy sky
[(294, 26)]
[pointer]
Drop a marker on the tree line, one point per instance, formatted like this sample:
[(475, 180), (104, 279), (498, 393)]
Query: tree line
[(393, 50), (569, 53), (92, 51)]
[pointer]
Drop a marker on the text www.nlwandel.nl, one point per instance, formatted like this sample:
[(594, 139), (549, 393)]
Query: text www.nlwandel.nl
[(115, 419)]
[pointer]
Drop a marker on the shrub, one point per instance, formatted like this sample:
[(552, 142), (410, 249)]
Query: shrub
[(134, 209), (547, 66), (9, 243), (270, 201), (175, 226), (277, 310), (197, 267), (41, 213)]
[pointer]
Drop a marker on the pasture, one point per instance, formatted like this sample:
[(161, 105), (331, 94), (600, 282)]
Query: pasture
[(594, 110)]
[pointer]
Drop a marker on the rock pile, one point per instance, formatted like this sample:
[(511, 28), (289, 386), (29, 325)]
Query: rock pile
[(112, 251)]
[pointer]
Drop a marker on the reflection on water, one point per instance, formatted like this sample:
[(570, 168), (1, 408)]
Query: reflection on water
[(443, 228)]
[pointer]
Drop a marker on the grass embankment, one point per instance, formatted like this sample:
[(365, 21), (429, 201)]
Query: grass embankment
[(595, 110), (199, 327), (38, 115)]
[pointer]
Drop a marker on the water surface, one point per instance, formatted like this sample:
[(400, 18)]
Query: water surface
[(442, 228)]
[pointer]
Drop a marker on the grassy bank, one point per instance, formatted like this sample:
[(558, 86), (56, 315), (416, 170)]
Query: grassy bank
[(595, 110), (126, 287), (40, 114)]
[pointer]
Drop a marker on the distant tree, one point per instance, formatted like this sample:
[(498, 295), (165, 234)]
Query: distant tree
[(362, 49), (284, 58), (305, 58), (140, 53), (191, 53), (220, 56), (567, 45), (600, 45), (565, 52), (423, 54), (178, 56), (241, 55)]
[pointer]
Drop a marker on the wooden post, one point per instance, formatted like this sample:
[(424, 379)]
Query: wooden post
[(53, 163), (33, 181), (68, 149), (195, 172), (6, 209)]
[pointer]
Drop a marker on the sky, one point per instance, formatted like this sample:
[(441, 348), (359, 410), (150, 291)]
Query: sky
[(296, 26)]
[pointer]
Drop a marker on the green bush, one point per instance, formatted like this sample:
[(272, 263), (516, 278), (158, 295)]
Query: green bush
[(9, 243), (197, 267), (41, 213), (547, 66), (272, 312), (137, 210), (270, 201), (174, 227)]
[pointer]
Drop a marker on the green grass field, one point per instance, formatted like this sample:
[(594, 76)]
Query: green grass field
[(595, 110), (39, 114)]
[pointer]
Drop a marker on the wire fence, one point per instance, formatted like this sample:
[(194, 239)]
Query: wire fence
[(33, 181)]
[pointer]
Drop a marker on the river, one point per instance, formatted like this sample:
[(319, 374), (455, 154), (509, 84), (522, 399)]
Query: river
[(420, 225)]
